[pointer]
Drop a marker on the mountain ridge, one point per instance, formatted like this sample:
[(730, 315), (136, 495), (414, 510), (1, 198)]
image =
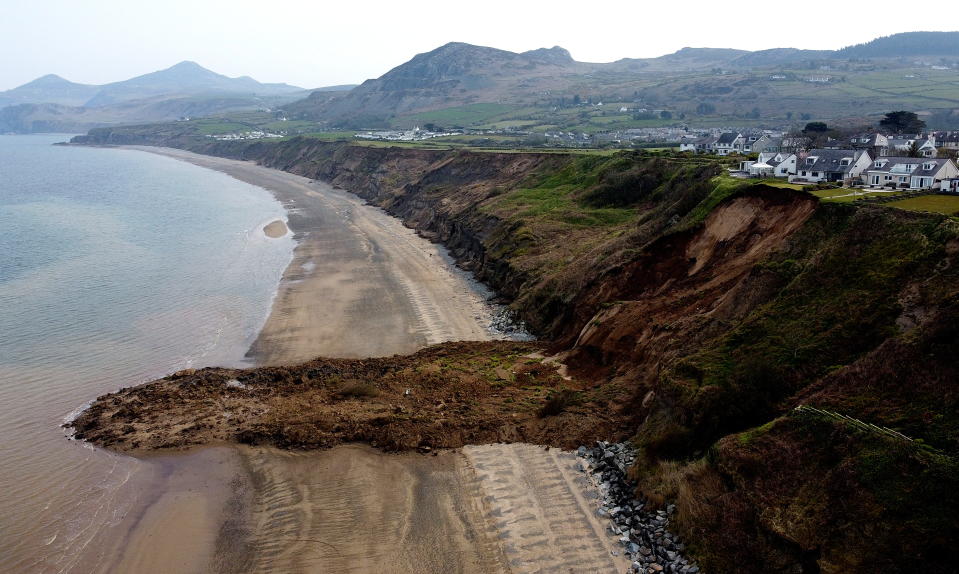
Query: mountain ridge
[(460, 74)]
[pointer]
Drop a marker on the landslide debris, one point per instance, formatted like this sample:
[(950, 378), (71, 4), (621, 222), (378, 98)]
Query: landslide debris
[(444, 396)]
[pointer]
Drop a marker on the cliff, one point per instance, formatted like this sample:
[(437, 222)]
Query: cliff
[(700, 313)]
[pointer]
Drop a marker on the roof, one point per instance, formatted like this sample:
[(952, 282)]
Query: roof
[(830, 160), (728, 138), (890, 163)]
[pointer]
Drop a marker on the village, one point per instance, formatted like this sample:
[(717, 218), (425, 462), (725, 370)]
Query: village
[(876, 161)]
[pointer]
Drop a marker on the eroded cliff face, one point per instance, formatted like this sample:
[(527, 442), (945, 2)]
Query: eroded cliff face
[(698, 314)]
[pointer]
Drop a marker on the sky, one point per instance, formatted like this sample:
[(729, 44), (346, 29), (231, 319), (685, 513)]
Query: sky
[(319, 43)]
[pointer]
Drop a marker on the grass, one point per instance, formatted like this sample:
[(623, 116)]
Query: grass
[(555, 200), (945, 204), (461, 116), (723, 186)]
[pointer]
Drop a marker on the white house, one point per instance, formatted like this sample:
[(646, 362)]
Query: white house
[(729, 142), (784, 164), (770, 164), (926, 146), (838, 165), (950, 185), (910, 172)]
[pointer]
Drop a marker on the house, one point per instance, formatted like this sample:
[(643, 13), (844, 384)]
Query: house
[(910, 172), (767, 144), (926, 146), (950, 185), (843, 165), (877, 144), (729, 142), (770, 164), (705, 144), (688, 143), (948, 140), (784, 164)]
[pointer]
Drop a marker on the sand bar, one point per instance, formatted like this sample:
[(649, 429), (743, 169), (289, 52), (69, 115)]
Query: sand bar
[(275, 229)]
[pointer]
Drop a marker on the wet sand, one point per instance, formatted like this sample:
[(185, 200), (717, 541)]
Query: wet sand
[(361, 284)]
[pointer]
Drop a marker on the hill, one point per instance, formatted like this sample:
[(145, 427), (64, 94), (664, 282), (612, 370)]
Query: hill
[(450, 75), (51, 89), (53, 104), (475, 86), (906, 44), (183, 78)]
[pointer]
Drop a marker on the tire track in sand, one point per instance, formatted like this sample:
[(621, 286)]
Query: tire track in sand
[(538, 504)]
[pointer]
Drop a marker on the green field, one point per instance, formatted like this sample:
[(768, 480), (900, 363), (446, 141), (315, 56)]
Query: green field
[(461, 116), (945, 204)]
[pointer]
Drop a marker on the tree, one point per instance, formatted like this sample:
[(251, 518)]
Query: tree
[(753, 114), (789, 115), (913, 150), (705, 108), (816, 127), (666, 115), (902, 122)]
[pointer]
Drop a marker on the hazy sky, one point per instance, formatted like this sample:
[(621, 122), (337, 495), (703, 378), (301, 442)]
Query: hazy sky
[(319, 43)]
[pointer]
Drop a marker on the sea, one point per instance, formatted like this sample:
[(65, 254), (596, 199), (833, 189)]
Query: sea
[(116, 267)]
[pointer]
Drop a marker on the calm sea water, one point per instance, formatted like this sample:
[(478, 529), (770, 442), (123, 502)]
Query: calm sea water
[(116, 267)]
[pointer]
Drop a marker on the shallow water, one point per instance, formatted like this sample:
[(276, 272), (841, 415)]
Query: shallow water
[(116, 267)]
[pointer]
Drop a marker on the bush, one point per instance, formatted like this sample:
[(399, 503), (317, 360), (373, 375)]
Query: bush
[(625, 188)]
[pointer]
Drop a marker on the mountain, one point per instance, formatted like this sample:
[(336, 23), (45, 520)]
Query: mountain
[(53, 104), (183, 78), (905, 44), (462, 85), (49, 89), (452, 74)]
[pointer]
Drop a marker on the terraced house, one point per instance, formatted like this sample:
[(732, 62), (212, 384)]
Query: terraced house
[(910, 172)]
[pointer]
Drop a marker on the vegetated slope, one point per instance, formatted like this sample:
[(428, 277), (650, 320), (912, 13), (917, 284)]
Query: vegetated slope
[(453, 74), (699, 312), (904, 45)]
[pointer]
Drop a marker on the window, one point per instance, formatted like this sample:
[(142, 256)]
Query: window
[(875, 180)]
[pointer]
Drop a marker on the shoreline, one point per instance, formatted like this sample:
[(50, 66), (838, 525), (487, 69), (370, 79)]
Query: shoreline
[(361, 285)]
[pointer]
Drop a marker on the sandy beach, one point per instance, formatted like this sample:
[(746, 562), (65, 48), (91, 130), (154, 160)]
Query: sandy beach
[(361, 284)]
